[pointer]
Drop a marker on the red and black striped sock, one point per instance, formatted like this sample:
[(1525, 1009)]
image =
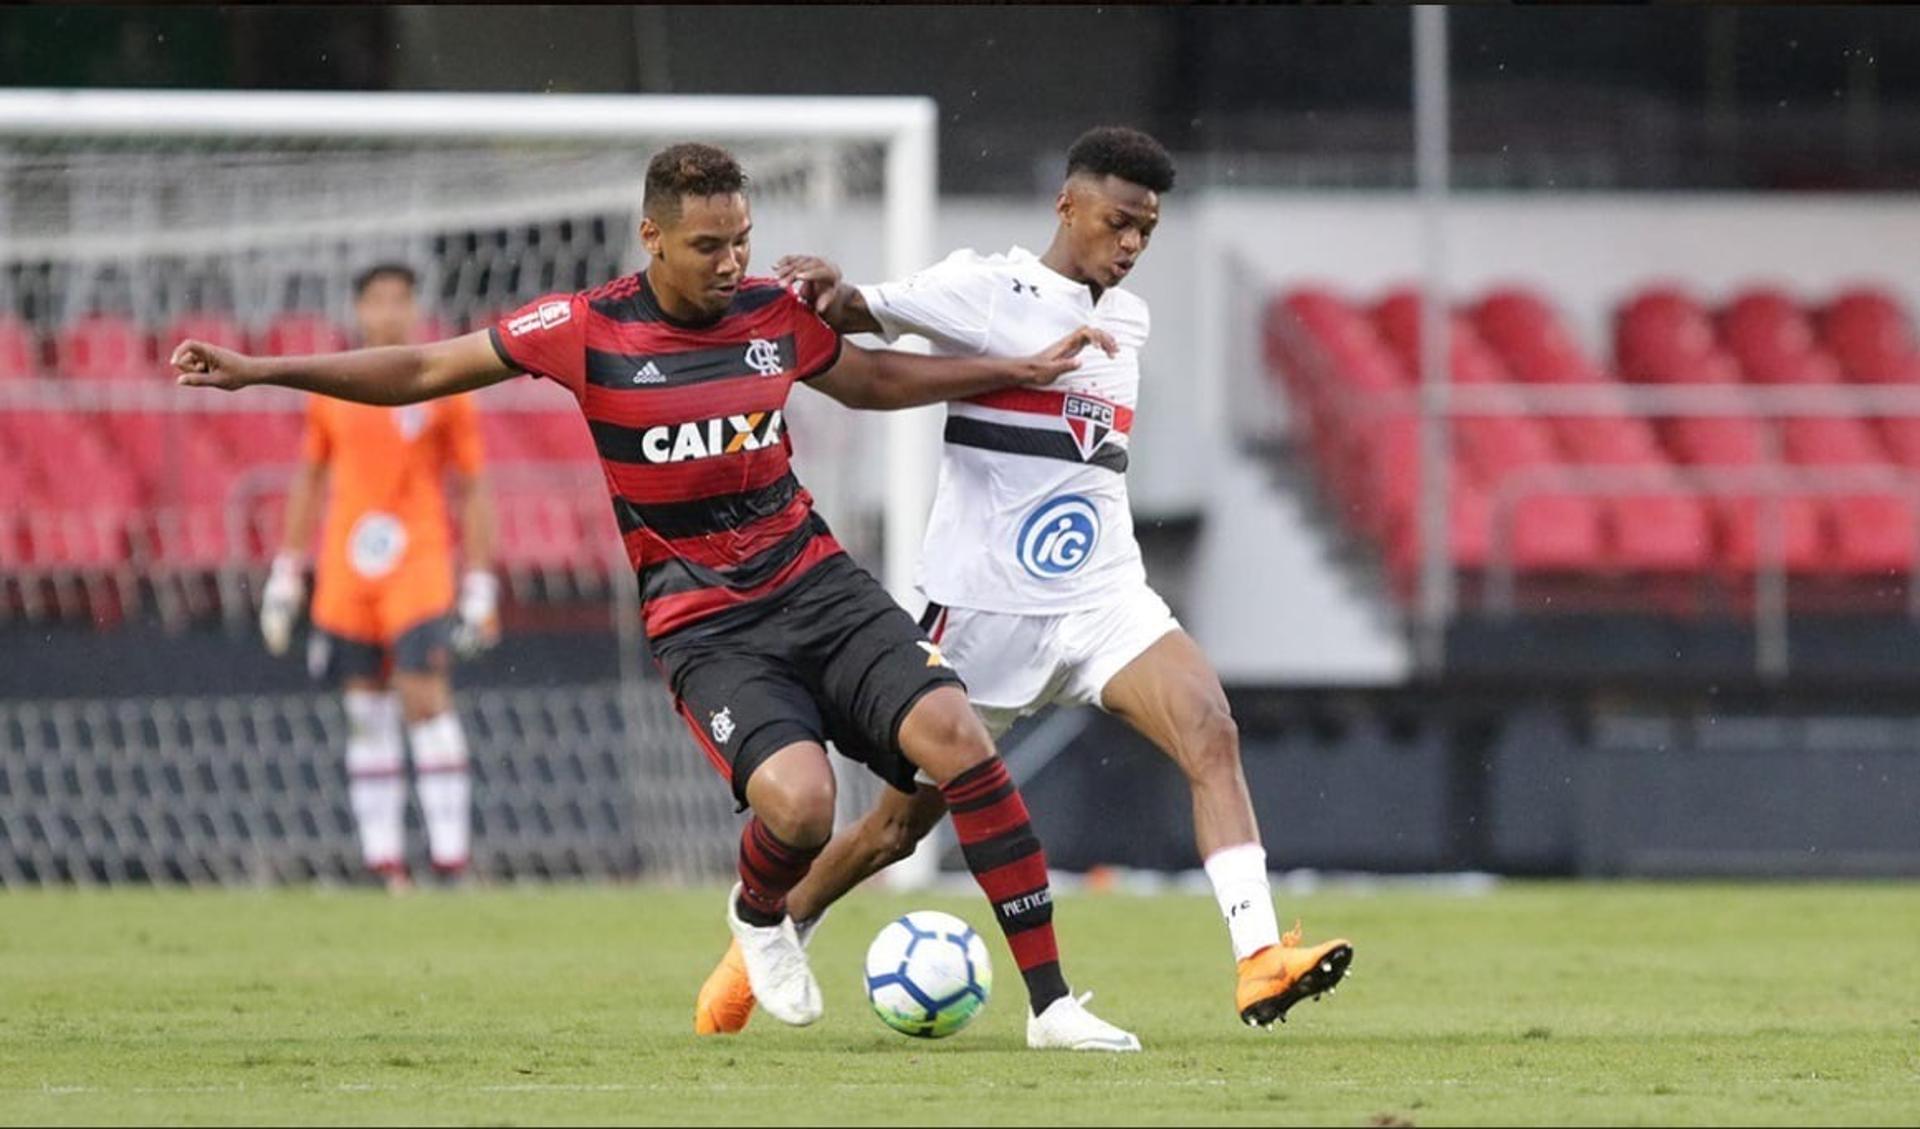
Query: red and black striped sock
[(1004, 855), (768, 869)]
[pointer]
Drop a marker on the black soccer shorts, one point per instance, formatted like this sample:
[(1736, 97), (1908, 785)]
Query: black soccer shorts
[(424, 648), (834, 659)]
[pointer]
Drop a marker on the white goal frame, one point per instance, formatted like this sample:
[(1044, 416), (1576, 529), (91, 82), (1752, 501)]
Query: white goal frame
[(904, 126)]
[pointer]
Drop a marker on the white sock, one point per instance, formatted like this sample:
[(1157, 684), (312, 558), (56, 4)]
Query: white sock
[(376, 784), (1239, 877), (446, 790)]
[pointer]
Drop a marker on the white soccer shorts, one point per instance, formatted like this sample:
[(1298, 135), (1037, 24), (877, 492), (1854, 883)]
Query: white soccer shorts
[(1016, 664)]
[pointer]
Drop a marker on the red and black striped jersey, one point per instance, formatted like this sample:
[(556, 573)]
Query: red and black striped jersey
[(688, 421)]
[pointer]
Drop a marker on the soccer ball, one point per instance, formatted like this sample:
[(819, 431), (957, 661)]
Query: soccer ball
[(928, 974)]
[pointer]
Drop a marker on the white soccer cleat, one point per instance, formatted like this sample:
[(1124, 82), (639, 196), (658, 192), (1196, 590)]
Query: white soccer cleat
[(776, 967), (1068, 1025)]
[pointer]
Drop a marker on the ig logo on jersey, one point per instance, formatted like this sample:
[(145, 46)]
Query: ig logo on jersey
[(1058, 537)]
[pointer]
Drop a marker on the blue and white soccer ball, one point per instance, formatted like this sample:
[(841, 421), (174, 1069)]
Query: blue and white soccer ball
[(928, 974)]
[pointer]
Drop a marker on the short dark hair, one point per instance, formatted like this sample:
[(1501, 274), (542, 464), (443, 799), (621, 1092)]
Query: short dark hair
[(378, 271), (689, 169), (1115, 150)]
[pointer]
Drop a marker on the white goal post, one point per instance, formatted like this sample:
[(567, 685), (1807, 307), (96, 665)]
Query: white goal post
[(903, 129), (150, 200)]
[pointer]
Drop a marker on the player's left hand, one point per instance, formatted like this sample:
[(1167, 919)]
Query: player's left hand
[(1063, 356), (812, 279), (478, 628)]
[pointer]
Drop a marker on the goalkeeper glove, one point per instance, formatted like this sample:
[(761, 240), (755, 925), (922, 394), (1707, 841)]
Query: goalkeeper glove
[(280, 602), (479, 619)]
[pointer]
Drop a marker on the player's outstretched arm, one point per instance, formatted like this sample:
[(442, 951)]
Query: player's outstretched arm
[(885, 379), (393, 374)]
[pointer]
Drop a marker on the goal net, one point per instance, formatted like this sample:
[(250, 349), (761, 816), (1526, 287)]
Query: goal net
[(129, 220)]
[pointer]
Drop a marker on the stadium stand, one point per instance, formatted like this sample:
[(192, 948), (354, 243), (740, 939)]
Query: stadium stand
[(115, 491), (1347, 368)]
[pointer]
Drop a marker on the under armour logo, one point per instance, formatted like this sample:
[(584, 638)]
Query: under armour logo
[(1025, 288), (763, 357), (1234, 911)]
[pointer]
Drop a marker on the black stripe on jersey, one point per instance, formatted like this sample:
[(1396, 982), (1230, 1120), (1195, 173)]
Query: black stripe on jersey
[(721, 514), (675, 575), (643, 371), (966, 432), (635, 302)]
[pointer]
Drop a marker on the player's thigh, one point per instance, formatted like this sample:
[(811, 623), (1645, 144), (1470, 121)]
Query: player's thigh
[(423, 667), (742, 707), (1171, 694), (1009, 662), (876, 668)]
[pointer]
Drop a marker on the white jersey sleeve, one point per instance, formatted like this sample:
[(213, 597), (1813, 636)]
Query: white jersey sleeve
[(950, 304)]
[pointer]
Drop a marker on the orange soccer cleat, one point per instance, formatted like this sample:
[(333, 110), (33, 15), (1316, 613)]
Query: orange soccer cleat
[(726, 999), (1279, 976)]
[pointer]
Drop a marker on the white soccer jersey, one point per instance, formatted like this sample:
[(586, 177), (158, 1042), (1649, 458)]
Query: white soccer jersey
[(1031, 513)]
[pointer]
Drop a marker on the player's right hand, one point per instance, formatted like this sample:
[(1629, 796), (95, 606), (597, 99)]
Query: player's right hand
[(1063, 356), (812, 279), (209, 366), (280, 603)]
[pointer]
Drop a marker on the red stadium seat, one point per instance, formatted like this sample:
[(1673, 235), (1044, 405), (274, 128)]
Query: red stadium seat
[(1766, 322), (291, 335), (213, 328), (101, 347), (19, 349), (1867, 328)]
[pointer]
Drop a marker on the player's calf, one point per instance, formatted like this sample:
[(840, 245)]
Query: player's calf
[(792, 795)]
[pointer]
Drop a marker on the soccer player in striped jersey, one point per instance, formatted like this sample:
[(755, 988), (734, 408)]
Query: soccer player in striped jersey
[(1037, 591), (772, 640)]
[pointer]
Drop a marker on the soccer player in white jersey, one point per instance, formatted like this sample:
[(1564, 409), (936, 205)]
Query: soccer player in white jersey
[(1037, 592)]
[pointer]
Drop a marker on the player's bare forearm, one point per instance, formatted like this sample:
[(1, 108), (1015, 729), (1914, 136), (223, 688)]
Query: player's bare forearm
[(846, 311), (477, 524), (303, 507), (889, 380), (388, 375)]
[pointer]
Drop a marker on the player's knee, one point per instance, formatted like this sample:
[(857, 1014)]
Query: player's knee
[(960, 740), (800, 812)]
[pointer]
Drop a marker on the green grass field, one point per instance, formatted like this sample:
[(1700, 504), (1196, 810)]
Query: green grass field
[(1533, 1004)]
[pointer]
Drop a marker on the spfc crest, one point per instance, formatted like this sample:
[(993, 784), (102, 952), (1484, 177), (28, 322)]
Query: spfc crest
[(1089, 420)]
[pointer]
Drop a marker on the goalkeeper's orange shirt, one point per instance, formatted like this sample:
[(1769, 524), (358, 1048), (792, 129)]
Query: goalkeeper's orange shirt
[(386, 552)]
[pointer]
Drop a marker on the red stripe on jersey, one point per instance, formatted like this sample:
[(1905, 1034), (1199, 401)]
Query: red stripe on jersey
[(724, 549), (669, 613), (649, 407), (1043, 403), (697, 478), (720, 764)]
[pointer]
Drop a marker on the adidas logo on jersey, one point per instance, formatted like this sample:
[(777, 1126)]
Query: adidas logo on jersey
[(650, 374), (705, 439)]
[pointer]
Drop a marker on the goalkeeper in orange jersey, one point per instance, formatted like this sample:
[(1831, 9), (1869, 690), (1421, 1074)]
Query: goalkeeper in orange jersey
[(384, 610)]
